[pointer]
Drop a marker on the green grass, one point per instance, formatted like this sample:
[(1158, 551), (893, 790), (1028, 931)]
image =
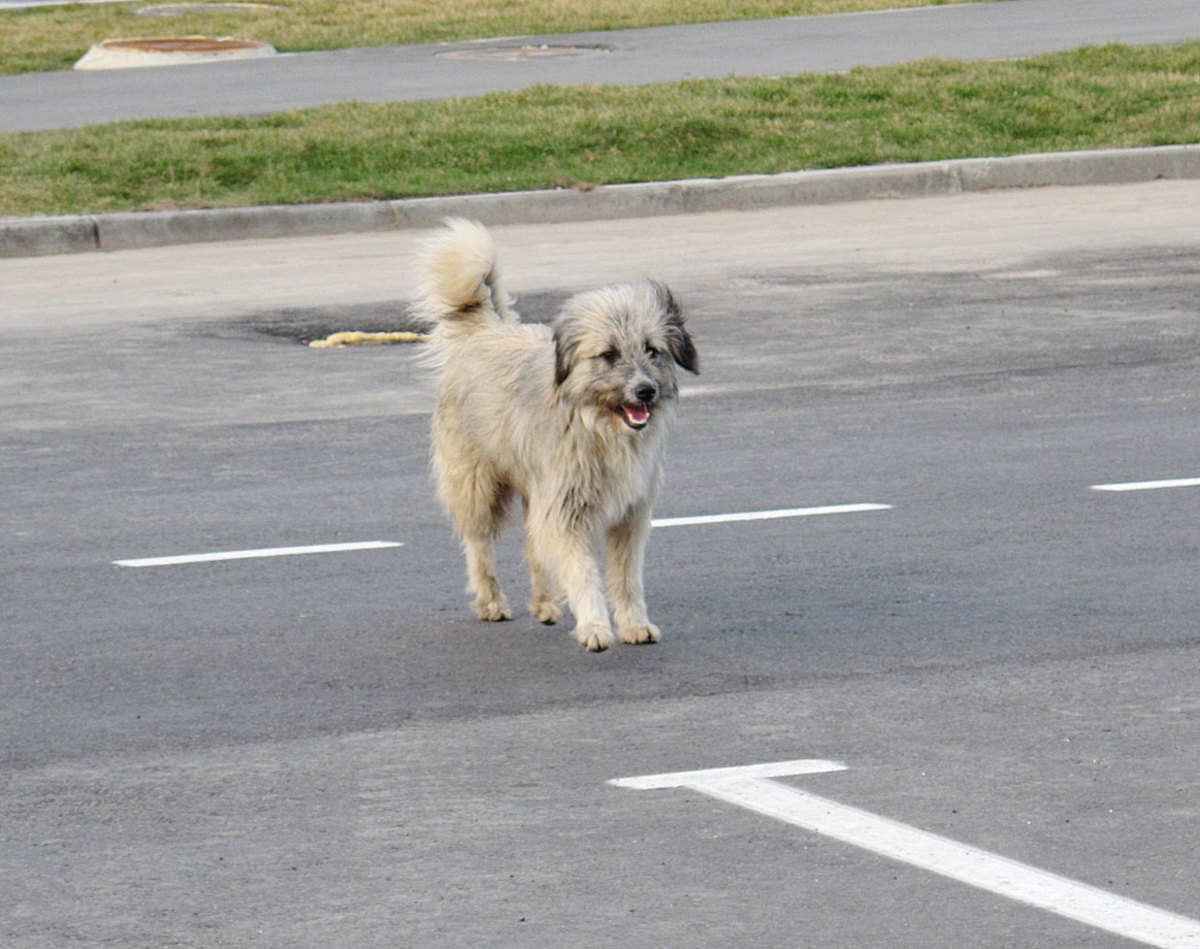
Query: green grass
[(1112, 96), (52, 38)]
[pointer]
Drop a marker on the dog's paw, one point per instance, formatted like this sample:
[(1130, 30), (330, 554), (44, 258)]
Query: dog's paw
[(493, 609), (546, 611), (595, 636), (640, 633)]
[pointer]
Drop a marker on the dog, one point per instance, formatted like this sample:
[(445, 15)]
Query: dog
[(570, 418)]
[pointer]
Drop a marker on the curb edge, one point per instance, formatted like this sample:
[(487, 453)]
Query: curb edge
[(42, 236)]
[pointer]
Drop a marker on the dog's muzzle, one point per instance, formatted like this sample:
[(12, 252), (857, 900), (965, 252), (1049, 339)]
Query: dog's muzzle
[(637, 414)]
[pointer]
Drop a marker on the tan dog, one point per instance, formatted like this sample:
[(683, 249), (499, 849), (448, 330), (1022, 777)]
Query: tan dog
[(572, 419)]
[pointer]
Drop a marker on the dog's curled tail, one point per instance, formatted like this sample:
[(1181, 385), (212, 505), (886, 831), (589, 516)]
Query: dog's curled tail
[(460, 288)]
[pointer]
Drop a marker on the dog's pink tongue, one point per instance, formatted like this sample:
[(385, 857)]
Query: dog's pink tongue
[(637, 414)]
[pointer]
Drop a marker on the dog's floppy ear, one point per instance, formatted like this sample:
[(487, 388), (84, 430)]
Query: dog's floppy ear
[(565, 343), (679, 341)]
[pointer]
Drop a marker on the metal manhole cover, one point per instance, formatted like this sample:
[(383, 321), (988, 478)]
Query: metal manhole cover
[(171, 51), (520, 54)]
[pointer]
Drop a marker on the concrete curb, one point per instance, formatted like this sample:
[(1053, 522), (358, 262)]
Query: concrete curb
[(29, 237)]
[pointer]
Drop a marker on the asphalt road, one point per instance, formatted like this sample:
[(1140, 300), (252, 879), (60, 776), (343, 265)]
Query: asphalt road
[(632, 57), (328, 749)]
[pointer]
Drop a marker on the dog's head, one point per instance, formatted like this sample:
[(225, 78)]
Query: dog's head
[(616, 349)]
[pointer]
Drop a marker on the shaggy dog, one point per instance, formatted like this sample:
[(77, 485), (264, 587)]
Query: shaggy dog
[(572, 419)]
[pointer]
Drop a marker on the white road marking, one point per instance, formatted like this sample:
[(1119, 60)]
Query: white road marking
[(1148, 485), (751, 787), (378, 544), (695, 779), (262, 552), (767, 515)]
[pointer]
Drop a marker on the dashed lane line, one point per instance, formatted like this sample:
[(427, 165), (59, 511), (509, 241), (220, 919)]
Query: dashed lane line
[(768, 515), (1148, 485), (260, 552), (381, 544)]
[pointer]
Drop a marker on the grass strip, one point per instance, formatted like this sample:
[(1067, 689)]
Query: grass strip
[(51, 38), (1099, 97)]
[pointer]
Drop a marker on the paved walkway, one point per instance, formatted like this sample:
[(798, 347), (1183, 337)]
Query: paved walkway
[(999, 30)]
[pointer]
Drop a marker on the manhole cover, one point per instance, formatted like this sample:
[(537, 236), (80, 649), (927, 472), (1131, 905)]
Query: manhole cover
[(519, 54), (170, 51), (178, 9)]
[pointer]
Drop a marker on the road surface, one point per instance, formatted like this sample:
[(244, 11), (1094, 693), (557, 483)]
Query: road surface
[(327, 749)]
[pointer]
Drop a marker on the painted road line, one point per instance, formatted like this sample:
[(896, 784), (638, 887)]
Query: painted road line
[(1148, 485), (262, 552), (767, 515), (752, 788), (379, 544)]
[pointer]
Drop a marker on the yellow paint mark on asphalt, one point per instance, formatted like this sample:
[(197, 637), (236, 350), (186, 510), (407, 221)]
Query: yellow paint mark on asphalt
[(355, 338)]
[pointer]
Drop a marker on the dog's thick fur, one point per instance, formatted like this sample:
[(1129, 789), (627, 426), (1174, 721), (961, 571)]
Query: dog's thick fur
[(572, 419)]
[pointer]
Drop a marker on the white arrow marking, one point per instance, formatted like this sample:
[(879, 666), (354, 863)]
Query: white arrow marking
[(751, 787)]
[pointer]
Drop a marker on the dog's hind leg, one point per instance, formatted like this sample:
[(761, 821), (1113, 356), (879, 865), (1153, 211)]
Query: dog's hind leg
[(626, 591), (490, 602), (478, 505)]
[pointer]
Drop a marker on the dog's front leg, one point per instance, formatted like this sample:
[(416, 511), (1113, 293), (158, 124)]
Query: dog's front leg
[(626, 592), (544, 602), (579, 573)]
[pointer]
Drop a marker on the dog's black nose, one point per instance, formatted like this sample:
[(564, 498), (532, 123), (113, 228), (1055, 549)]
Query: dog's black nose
[(647, 392)]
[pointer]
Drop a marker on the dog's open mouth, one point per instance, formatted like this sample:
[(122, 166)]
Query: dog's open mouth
[(635, 416)]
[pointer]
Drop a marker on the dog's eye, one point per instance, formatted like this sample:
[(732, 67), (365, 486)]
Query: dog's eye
[(653, 351), (610, 356)]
